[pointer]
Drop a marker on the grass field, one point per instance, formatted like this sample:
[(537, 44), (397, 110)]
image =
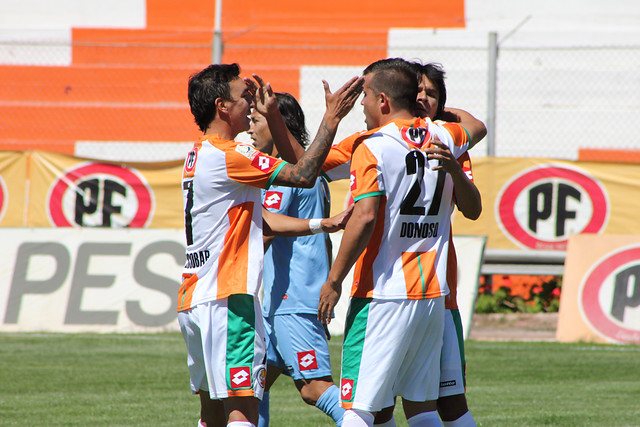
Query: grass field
[(142, 380)]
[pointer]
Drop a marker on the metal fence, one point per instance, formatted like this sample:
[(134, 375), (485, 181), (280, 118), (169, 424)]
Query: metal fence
[(538, 101)]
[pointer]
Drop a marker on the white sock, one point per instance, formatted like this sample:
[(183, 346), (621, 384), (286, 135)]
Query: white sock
[(200, 423), (390, 423), (425, 419), (357, 418), (240, 424), (465, 420)]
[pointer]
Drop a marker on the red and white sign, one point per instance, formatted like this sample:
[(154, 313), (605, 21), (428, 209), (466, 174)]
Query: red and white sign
[(609, 298), (100, 195), (346, 389), (4, 198), (541, 207), (240, 377), (307, 360), (272, 199)]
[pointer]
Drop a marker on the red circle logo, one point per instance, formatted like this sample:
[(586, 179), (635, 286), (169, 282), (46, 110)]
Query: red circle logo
[(100, 195), (609, 296), (4, 198), (541, 207)]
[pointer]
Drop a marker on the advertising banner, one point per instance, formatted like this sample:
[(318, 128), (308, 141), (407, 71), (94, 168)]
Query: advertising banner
[(540, 203), (84, 279), (600, 299)]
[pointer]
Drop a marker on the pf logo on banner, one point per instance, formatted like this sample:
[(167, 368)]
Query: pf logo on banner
[(100, 195), (541, 207), (4, 198), (609, 297)]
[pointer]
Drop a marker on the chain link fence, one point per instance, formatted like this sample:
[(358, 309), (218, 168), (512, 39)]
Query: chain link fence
[(551, 101)]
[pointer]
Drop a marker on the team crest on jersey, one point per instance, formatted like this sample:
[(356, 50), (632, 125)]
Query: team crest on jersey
[(240, 377), (346, 389), (414, 136), (352, 182), (190, 162), (307, 360), (272, 199)]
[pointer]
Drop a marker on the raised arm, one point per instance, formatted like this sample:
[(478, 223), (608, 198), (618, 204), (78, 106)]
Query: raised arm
[(306, 170)]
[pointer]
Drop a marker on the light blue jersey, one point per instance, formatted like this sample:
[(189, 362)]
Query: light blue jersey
[(295, 268)]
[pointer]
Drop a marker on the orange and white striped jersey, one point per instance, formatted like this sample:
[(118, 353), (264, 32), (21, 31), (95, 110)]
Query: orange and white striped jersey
[(221, 183), (451, 300), (406, 257)]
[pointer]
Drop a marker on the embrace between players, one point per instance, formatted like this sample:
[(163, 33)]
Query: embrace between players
[(404, 170)]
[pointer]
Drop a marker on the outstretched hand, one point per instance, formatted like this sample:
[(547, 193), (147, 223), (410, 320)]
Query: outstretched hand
[(337, 222), (264, 98), (342, 100)]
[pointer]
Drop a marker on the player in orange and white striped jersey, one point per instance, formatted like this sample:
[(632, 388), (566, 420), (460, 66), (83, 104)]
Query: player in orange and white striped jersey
[(219, 313), (398, 237)]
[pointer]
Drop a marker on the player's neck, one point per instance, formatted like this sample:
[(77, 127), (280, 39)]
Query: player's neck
[(222, 129)]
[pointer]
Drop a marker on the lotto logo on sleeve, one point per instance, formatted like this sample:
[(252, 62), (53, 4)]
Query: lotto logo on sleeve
[(307, 360), (541, 207), (352, 182), (272, 199), (346, 389), (262, 162), (100, 195), (240, 377)]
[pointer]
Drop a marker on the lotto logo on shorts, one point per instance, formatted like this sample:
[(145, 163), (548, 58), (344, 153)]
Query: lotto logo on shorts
[(307, 360), (262, 162), (346, 389), (272, 199), (240, 377)]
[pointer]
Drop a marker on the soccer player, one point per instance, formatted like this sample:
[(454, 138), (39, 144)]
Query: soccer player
[(451, 404), (294, 270), (218, 310), (398, 236)]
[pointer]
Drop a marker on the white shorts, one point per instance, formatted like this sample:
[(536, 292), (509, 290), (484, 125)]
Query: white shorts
[(391, 348), (452, 379), (226, 347)]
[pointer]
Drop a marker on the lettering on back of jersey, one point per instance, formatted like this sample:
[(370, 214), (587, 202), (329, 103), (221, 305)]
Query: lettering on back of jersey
[(419, 230), (272, 199)]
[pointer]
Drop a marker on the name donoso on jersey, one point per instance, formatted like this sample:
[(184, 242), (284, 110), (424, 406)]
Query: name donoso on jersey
[(419, 230)]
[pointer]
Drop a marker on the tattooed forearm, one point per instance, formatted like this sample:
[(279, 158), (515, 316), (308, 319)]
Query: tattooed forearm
[(305, 172)]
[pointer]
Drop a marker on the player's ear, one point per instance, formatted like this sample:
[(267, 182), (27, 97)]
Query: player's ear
[(384, 102), (221, 105)]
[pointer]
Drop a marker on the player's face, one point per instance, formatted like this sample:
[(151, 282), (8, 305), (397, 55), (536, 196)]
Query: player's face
[(239, 107), (370, 104), (260, 133), (428, 97)]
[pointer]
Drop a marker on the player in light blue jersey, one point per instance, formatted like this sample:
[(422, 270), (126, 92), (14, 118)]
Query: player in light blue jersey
[(294, 270)]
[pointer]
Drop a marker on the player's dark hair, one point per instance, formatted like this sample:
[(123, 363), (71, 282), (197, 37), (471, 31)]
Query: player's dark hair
[(293, 117), (207, 86), (397, 79), (435, 73)]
